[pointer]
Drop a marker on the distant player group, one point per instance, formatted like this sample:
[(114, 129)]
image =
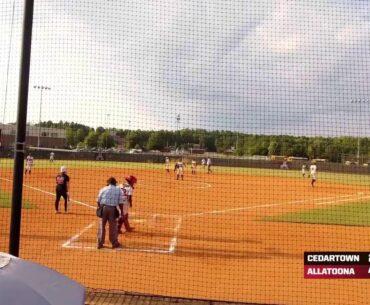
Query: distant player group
[(312, 172), (179, 168)]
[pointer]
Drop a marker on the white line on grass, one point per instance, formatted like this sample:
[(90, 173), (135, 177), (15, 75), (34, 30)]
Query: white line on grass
[(334, 200), (52, 194)]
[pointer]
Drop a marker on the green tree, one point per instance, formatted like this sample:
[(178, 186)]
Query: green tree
[(105, 140), (91, 139)]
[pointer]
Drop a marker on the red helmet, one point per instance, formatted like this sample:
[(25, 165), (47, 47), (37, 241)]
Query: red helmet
[(131, 180)]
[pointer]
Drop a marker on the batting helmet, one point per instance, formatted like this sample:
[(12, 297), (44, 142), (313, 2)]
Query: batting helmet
[(131, 180)]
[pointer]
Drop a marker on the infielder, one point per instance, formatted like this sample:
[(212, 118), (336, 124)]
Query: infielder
[(127, 189), (179, 169)]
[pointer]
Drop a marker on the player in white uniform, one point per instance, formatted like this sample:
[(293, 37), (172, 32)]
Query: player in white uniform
[(51, 159), (304, 167), (127, 189), (193, 166), (204, 163), (167, 164), (209, 164), (179, 169), (313, 172), (29, 164)]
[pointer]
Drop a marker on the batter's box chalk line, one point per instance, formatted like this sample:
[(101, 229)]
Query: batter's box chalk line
[(75, 241)]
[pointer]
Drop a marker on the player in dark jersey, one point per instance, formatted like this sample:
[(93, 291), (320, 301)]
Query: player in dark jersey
[(62, 189)]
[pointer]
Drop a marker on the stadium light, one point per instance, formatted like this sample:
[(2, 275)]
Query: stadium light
[(359, 102), (41, 88)]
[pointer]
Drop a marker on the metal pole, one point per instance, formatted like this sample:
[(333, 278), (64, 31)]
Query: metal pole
[(39, 133), (16, 213)]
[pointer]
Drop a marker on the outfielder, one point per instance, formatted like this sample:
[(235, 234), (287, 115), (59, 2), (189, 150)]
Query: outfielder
[(29, 164), (193, 166), (167, 164), (127, 191), (313, 171), (304, 166)]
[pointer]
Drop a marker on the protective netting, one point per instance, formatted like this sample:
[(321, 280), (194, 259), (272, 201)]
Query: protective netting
[(262, 109)]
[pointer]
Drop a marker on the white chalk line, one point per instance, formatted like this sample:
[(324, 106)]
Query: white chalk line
[(335, 199), (69, 242), (52, 194), (176, 230), (202, 185)]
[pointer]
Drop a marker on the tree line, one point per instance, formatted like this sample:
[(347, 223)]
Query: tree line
[(237, 143)]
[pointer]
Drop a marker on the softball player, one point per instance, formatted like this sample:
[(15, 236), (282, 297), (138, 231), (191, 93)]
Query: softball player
[(313, 171), (304, 166), (51, 158), (209, 164), (29, 164), (193, 166), (62, 189), (167, 164), (179, 169), (127, 191)]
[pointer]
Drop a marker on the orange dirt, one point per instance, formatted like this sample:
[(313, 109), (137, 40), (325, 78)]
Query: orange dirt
[(202, 237)]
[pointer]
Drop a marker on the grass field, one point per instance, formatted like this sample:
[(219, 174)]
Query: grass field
[(6, 201), (355, 214)]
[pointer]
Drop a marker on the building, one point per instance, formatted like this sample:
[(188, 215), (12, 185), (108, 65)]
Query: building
[(35, 136)]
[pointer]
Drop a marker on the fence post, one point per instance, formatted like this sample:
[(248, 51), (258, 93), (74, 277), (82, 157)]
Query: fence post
[(16, 213)]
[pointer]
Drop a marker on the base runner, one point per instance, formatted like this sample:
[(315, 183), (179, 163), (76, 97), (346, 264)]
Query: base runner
[(127, 190)]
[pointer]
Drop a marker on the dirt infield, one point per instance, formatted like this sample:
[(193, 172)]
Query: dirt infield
[(198, 238)]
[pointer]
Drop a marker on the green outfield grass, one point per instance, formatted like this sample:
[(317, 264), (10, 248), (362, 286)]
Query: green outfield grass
[(327, 177), (6, 201), (356, 214)]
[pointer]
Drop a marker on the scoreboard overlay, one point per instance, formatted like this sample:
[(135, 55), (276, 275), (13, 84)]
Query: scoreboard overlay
[(337, 265)]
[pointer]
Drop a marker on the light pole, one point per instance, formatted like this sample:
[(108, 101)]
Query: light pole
[(106, 136), (177, 121), (41, 88), (359, 102)]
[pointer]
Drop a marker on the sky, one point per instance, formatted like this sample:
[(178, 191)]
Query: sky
[(258, 66)]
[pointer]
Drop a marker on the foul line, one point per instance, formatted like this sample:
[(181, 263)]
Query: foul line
[(333, 200), (52, 194)]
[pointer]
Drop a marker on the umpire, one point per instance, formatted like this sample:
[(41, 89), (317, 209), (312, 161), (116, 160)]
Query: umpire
[(109, 197)]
